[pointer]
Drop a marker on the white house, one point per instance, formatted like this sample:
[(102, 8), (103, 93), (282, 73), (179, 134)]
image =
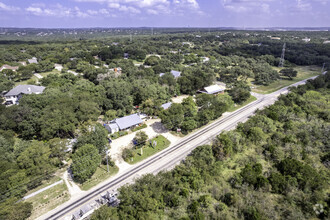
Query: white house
[(58, 67), (176, 74), (33, 60), (166, 105), (13, 96), (213, 90)]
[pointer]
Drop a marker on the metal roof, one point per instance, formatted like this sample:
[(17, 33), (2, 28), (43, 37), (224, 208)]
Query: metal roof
[(113, 126), (166, 105), (213, 89), (25, 89), (128, 121), (175, 73), (33, 60)]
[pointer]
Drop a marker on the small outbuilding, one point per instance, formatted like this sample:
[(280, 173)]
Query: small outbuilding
[(213, 90), (33, 60), (166, 105)]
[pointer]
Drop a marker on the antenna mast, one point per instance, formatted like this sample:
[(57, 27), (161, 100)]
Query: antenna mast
[(281, 64)]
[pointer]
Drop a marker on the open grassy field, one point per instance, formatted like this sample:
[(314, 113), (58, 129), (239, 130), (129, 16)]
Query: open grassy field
[(304, 72), (44, 184), (99, 176), (48, 200), (148, 150)]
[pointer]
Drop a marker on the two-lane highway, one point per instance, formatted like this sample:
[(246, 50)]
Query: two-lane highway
[(169, 157)]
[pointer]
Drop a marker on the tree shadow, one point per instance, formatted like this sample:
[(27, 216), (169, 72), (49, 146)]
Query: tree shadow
[(158, 127)]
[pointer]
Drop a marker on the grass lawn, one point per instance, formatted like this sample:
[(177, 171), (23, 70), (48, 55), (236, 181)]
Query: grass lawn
[(44, 184), (148, 151), (48, 200), (304, 72), (235, 107), (99, 176)]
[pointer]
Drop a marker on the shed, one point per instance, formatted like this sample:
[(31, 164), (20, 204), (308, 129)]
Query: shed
[(214, 89), (166, 105), (175, 73)]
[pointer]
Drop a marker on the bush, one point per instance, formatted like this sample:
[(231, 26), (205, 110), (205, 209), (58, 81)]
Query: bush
[(118, 134), (127, 154), (139, 127)]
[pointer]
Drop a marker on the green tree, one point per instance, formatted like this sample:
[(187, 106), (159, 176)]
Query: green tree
[(85, 162), (172, 118), (140, 138), (110, 115), (152, 61), (240, 92), (96, 136), (289, 72)]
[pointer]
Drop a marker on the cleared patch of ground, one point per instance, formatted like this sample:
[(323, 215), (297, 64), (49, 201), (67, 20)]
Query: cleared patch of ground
[(48, 200), (304, 72)]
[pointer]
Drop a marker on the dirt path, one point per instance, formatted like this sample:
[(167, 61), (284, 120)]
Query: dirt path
[(73, 188)]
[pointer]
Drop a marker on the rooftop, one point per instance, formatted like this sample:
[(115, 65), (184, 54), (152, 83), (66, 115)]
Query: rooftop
[(14, 68), (175, 73), (166, 105), (33, 60), (25, 89), (128, 121), (213, 89)]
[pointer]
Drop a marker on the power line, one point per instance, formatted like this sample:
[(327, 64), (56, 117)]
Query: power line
[(281, 64)]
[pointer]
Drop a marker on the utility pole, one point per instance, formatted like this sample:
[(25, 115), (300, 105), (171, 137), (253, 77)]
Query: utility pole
[(281, 64), (323, 68), (106, 151)]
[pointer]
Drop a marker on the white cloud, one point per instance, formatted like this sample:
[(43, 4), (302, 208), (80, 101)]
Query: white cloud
[(152, 12), (34, 10), (153, 7), (191, 4), (4, 7), (114, 5), (239, 6), (129, 9), (58, 11)]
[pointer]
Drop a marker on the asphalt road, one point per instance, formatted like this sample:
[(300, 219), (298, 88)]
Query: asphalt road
[(169, 157)]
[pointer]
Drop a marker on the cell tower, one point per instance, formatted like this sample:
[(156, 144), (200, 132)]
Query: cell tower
[(152, 31), (281, 64), (131, 38)]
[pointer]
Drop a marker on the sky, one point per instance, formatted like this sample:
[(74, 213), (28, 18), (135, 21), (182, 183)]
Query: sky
[(164, 13)]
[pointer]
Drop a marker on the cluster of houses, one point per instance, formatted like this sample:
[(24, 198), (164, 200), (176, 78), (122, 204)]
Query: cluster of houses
[(15, 68)]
